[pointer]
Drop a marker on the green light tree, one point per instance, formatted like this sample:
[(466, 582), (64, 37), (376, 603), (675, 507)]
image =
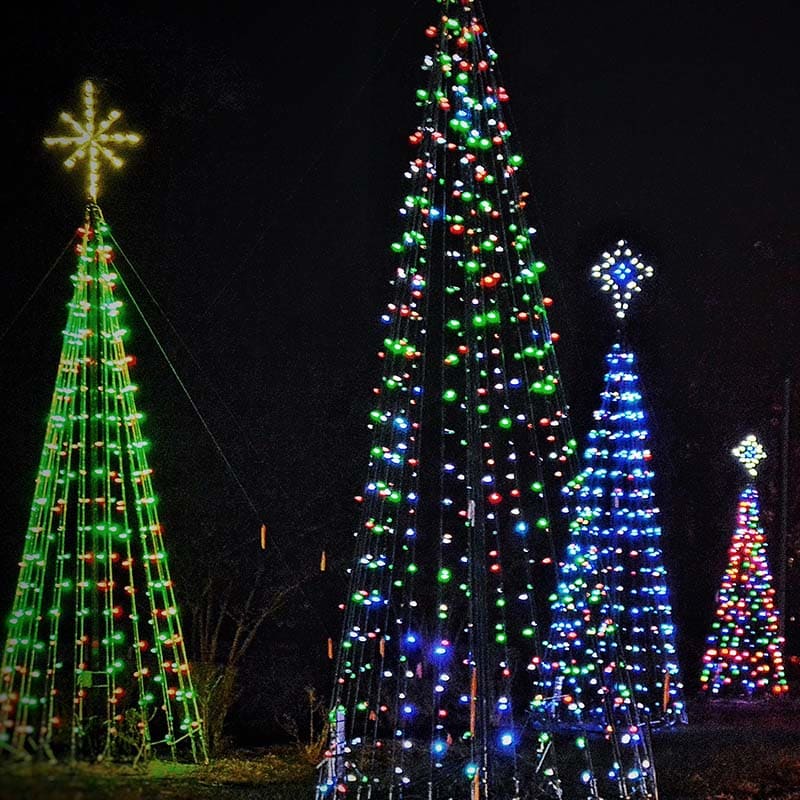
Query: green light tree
[(94, 663)]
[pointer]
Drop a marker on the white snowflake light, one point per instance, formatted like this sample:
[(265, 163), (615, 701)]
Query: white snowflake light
[(91, 140)]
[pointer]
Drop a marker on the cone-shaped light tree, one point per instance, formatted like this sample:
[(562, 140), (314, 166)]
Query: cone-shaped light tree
[(744, 656), (94, 663), (623, 621), (440, 657)]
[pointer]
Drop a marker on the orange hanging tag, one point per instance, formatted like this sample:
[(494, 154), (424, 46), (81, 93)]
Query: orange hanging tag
[(323, 562), (330, 649), (263, 537)]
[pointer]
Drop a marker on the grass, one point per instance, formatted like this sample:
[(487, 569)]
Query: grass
[(278, 775), (732, 752), (735, 753)]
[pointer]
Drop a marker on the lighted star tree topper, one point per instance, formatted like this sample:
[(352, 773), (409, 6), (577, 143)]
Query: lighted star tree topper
[(91, 141), (621, 273), (440, 658), (615, 534), (744, 656), (94, 663)]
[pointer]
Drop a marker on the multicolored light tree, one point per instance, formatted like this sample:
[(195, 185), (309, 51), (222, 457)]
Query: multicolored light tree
[(440, 657), (94, 663), (615, 537), (744, 656)]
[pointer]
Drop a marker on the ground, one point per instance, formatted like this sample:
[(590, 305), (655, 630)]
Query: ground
[(736, 753)]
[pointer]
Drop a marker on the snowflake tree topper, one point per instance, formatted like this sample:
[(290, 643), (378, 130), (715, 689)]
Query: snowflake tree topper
[(621, 273), (750, 452), (90, 140)]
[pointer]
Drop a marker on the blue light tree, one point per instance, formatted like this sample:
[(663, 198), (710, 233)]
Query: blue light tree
[(612, 610), (744, 655)]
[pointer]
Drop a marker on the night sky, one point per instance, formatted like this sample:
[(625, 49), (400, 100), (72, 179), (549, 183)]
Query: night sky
[(260, 208)]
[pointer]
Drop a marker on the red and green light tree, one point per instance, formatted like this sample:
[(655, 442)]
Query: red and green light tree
[(440, 657), (94, 663), (744, 657)]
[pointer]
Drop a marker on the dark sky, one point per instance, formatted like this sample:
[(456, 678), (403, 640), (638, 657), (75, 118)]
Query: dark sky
[(260, 208)]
